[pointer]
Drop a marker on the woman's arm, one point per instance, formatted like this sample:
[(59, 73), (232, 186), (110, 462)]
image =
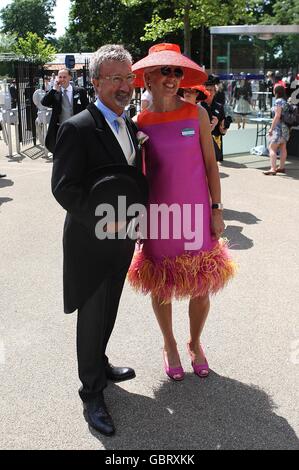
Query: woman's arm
[(276, 119), (212, 172)]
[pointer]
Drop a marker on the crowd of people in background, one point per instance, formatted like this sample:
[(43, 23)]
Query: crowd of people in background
[(225, 101), (240, 97)]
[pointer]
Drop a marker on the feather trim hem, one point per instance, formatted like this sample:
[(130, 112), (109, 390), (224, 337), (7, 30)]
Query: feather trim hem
[(184, 276)]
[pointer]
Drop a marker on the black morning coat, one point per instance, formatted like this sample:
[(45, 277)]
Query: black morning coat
[(85, 142), (53, 100)]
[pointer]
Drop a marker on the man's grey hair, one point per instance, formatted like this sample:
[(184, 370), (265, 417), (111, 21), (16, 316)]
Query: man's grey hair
[(108, 52)]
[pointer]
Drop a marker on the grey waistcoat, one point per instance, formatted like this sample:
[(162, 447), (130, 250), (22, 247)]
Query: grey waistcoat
[(66, 109)]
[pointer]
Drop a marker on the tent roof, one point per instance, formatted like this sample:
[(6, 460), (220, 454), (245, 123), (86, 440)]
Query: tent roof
[(258, 29)]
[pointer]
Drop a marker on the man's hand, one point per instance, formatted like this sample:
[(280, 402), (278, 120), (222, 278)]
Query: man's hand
[(57, 85), (112, 227)]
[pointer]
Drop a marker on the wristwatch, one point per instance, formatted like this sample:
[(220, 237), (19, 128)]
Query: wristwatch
[(217, 205)]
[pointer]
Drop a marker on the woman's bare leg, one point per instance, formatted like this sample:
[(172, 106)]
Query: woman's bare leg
[(282, 155), (238, 119), (198, 312), (273, 156), (163, 314)]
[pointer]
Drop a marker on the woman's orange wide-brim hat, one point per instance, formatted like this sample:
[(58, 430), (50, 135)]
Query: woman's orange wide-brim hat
[(203, 92), (169, 54)]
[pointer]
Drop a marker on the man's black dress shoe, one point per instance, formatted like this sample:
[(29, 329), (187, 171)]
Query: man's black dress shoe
[(98, 416), (118, 374)]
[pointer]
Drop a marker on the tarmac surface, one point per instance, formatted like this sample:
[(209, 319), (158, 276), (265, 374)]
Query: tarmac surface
[(250, 399)]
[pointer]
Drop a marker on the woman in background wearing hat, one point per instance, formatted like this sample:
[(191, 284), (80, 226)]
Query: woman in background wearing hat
[(195, 94), (181, 169), (219, 122)]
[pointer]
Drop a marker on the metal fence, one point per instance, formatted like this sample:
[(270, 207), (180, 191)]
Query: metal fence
[(27, 75), (87, 82)]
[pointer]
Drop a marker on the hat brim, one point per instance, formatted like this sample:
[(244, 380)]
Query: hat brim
[(193, 73), (105, 184)]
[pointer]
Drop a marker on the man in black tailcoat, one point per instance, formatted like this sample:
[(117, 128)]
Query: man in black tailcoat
[(66, 100), (97, 159)]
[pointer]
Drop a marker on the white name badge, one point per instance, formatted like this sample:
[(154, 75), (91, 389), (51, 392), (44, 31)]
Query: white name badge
[(188, 132)]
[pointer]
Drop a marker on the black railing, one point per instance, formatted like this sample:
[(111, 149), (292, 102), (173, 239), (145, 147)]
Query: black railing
[(27, 76)]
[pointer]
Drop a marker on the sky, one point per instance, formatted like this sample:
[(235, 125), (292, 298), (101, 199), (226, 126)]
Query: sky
[(61, 14)]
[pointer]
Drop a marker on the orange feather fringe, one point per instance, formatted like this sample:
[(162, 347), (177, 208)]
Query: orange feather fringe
[(185, 276)]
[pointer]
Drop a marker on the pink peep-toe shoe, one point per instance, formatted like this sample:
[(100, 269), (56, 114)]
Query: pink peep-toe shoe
[(202, 370), (175, 373)]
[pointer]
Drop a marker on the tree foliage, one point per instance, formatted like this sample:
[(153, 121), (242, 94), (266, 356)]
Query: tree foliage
[(34, 48), (188, 15), (283, 12), (139, 23), (23, 16), (7, 42), (201, 13), (281, 52), (72, 42), (110, 21)]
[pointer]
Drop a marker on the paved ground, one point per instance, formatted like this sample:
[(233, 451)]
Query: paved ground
[(251, 337)]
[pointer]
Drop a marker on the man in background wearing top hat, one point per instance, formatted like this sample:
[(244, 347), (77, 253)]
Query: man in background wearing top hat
[(96, 159)]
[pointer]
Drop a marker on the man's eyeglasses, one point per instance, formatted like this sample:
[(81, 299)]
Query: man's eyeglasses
[(117, 80), (167, 71)]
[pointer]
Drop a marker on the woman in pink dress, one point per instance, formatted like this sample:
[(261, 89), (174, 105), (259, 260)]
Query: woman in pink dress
[(187, 259)]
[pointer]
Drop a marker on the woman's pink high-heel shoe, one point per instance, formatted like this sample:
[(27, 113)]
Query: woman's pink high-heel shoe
[(202, 370), (175, 373)]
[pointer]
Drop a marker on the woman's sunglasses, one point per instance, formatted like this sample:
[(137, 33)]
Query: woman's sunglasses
[(167, 71)]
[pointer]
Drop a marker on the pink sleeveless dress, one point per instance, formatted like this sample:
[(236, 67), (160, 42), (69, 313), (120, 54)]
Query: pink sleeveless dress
[(169, 267)]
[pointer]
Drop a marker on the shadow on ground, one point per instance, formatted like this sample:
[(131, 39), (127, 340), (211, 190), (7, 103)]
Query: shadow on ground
[(214, 413), (261, 163), (244, 217), (6, 182), (3, 200), (290, 172), (237, 241), (34, 152), (229, 163)]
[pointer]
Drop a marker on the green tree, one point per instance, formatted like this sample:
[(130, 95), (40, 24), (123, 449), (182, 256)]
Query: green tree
[(23, 16), (282, 51), (34, 48), (110, 21), (188, 15), (7, 42), (283, 12), (259, 9), (72, 42)]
